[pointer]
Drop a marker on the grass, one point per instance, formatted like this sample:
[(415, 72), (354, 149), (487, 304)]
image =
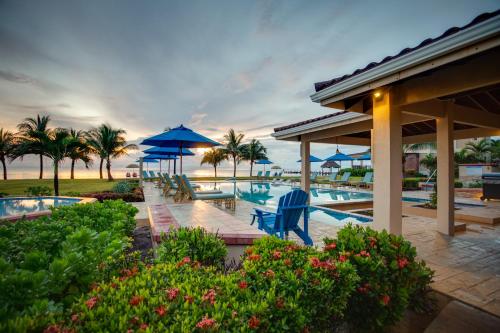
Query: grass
[(19, 186)]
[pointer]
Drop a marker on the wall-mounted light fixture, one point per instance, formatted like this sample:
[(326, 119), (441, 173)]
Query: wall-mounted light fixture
[(378, 95)]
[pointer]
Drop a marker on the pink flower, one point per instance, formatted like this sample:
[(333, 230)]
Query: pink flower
[(342, 258), (402, 263), (331, 246), (172, 293), (143, 326), (206, 323), (135, 300), (287, 262), (209, 296), (161, 311), (270, 273), (254, 257), (385, 299), (91, 302), (276, 254), (315, 262), (74, 318), (364, 253), (184, 261)]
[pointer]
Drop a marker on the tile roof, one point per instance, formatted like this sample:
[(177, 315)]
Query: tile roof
[(481, 18)]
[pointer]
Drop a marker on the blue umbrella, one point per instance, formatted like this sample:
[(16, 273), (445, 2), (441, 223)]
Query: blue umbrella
[(264, 162), (312, 159), (168, 151), (339, 157), (160, 157), (180, 137), (365, 157)]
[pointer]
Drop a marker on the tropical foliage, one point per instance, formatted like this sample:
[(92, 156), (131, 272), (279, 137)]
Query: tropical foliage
[(253, 151), (46, 264), (79, 152), (108, 143), (214, 157), (32, 129), (234, 147), (7, 144)]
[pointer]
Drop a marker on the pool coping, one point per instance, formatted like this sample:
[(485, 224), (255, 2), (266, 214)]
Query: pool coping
[(35, 215)]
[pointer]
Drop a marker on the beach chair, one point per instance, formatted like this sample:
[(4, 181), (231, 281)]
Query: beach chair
[(267, 174), (313, 177), (145, 175), (127, 175), (152, 174), (218, 197), (287, 217), (342, 181), (366, 181), (259, 174), (332, 178)]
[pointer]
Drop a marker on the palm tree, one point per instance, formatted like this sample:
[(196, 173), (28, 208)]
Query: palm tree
[(253, 151), (480, 149), (56, 145), (81, 152), (214, 157), (414, 147), (430, 162), (31, 128), (7, 144), (495, 149), (108, 143), (233, 147)]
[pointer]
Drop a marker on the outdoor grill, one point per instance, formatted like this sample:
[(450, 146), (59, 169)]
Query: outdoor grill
[(491, 186)]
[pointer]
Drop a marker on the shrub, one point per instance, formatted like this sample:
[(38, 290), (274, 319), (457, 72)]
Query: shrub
[(475, 184), (136, 195), (273, 293), (47, 263), (196, 244), (37, 191), (122, 187), (410, 183), (356, 172), (458, 184), (391, 279)]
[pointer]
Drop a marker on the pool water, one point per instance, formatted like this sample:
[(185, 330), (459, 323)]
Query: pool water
[(268, 194), (27, 205)]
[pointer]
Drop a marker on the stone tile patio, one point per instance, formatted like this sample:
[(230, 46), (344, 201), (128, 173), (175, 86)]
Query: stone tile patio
[(467, 266)]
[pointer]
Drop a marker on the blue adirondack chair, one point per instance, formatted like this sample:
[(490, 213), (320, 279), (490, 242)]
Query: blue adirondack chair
[(145, 175), (152, 174), (259, 174), (287, 217)]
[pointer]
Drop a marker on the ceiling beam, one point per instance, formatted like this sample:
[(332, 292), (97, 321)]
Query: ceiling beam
[(346, 140), (457, 135)]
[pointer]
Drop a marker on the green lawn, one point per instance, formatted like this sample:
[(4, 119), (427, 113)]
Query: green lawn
[(19, 186)]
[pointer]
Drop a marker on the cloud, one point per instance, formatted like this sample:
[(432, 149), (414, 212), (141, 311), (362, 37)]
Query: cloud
[(197, 119)]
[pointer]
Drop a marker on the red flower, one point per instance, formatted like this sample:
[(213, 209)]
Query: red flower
[(364, 253), (172, 293), (52, 329), (91, 302), (276, 254), (253, 322), (280, 303), (291, 248), (254, 257), (342, 258), (113, 285), (315, 262), (373, 241), (161, 311), (287, 262), (143, 326), (249, 250), (299, 272), (209, 296), (385, 299), (331, 246), (206, 323), (135, 300), (243, 285), (403, 262), (189, 299), (184, 261), (74, 318), (270, 273)]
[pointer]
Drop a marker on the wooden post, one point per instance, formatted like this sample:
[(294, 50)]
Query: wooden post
[(305, 166), (387, 150), (445, 174)]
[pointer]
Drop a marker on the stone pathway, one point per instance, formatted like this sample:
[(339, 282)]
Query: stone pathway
[(467, 266)]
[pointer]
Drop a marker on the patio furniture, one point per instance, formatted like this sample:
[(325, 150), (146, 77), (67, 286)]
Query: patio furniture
[(152, 174), (366, 181), (342, 181), (491, 186), (145, 175), (267, 174), (218, 197), (333, 177), (286, 219), (259, 174), (314, 178)]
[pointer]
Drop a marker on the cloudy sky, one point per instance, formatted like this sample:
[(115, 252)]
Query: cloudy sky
[(211, 65)]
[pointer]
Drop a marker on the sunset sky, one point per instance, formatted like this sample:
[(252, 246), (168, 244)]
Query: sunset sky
[(210, 65)]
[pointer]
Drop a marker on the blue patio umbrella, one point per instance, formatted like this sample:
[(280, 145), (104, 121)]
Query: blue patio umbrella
[(180, 137), (365, 157), (168, 151), (339, 157), (161, 158), (263, 162), (148, 160), (312, 159)]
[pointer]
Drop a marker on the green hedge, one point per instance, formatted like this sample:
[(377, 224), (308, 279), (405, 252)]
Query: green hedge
[(356, 172), (364, 279), (47, 263)]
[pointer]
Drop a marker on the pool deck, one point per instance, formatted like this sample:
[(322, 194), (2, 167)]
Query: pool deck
[(467, 266)]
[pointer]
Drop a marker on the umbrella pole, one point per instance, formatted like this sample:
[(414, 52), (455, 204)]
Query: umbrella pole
[(160, 166), (168, 166), (175, 167), (181, 156)]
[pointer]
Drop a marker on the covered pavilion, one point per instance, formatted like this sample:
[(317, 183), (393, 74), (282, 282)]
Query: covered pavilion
[(444, 89)]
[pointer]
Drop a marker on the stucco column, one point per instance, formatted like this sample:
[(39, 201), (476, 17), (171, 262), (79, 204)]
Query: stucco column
[(445, 174), (305, 166), (371, 149), (387, 150)]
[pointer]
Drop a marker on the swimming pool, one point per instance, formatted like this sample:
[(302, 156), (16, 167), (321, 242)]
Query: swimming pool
[(19, 206), (268, 194)]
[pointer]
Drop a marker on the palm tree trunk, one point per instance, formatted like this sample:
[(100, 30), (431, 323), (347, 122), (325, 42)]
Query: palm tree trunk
[(251, 168), (56, 178), (215, 169), (41, 167), (108, 167), (234, 166), (100, 168), (4, 168), (72, 169)]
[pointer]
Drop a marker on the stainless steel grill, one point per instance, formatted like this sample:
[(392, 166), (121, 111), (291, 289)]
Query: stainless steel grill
[(491, 186)]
